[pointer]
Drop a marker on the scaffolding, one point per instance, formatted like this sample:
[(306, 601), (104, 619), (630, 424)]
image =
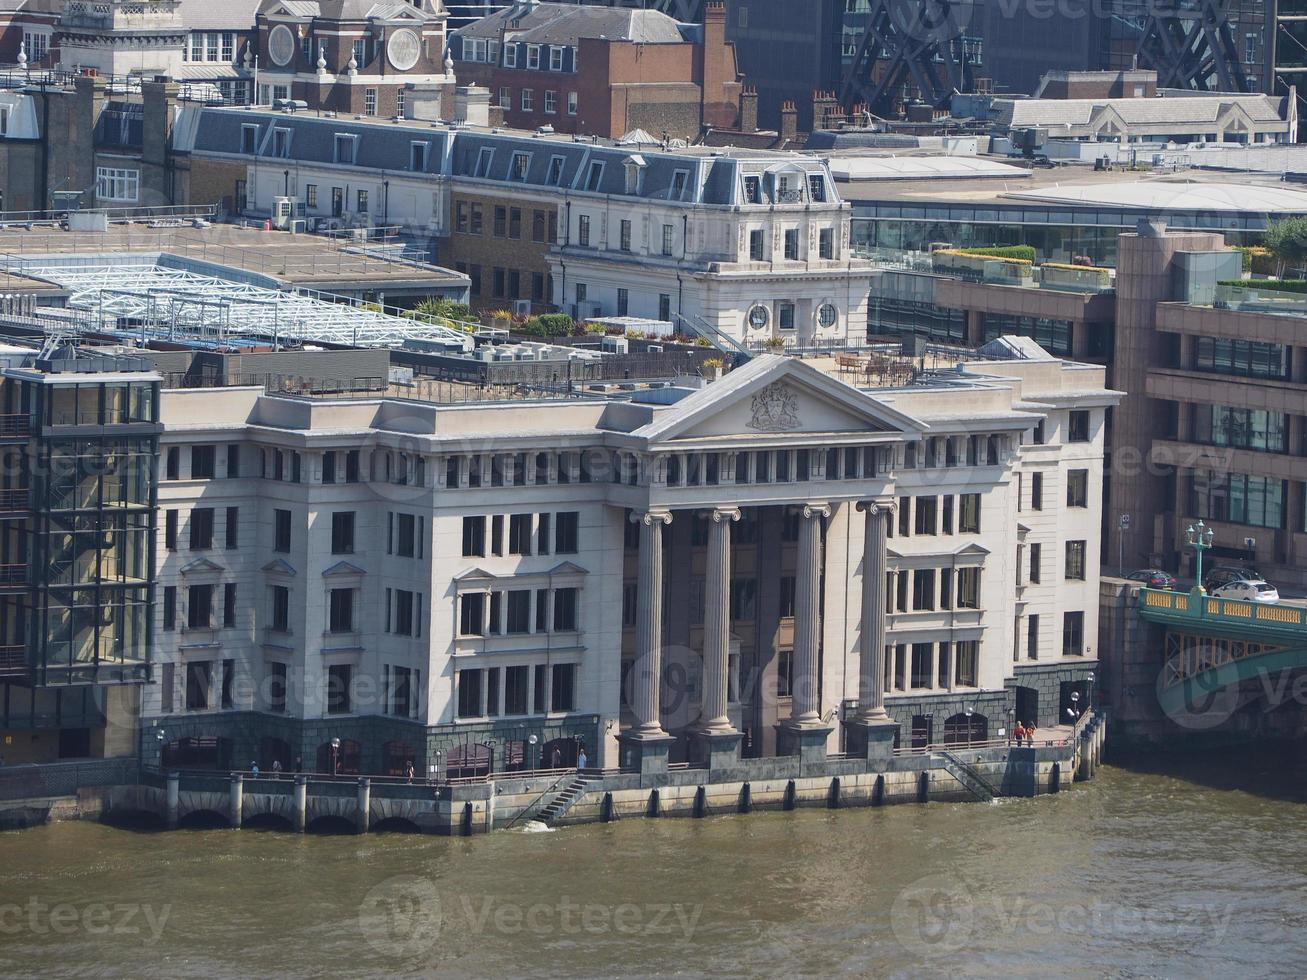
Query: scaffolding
[(157, 302)]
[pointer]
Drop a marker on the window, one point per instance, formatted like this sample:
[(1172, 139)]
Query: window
[(342, 533), (563, 688), (281, 143), (399, 103), (170, 607), (338, 689), (484, 158), (551, 102), (249, 140), (1079, 427), (510, 55), (281, 531), (1032, 637), (359, 52), (1239, 499), (594, 177), (528, 100), (369, 102), (785, 316), (198, 676), (533, 56), (515, 226), (923, 665), (276, 687), (37, 45), (516, 686), (564, 610), (623, 300), (583, 230), (1075, 560), (229, 605), (407, 613), (668, 232), (555, 58), (554, 177), (471, 614), (519, 534), (968, 588), (170, 530), (340, 617), (969, 513), (199, 607), (201, 528), (816, 188), (280, 599), (744, 599), (792, 244), (1077, 488), (923, 589), (519, 611), (826, 243), (756, 253), (1073, 634), (505, 97), (1036, 562), (519, 167), (117, 184), (925, 516), (624, 235), (361, 200), (1241, 357), (679, 181), (1036, 491), (966, 660), (344, 148), (1240, 428), (665, 307), (565, 532), (469, 693)]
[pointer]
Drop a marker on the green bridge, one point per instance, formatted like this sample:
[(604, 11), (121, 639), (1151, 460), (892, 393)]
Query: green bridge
[(1213, 644)]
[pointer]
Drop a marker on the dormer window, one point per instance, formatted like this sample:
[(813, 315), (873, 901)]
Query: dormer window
[(520, 166), (555, 176), (484, 159), (594, 176), (816, 187), (510, 55), (679, 180), (533, 56), (555, 58), (346, 147), (752, 189), (634, 171)]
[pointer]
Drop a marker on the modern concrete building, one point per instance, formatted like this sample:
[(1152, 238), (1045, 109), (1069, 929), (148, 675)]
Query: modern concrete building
[(775, 562)]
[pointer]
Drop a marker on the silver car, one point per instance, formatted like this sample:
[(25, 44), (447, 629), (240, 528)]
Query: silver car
[(1250, 589)]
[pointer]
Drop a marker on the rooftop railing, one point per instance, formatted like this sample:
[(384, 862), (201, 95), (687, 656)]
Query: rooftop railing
[(1252, 297)]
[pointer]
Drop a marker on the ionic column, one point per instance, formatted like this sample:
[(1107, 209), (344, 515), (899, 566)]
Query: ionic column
[(717, 622), (871, 674), (805, 711), (648, 672)]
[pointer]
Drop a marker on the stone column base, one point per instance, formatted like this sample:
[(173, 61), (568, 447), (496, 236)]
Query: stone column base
[(646, 754), (716, 749), (872, 740), (809, 744)]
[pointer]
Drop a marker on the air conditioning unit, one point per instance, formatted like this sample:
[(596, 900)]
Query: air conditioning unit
[(284, 211), (521, 307)]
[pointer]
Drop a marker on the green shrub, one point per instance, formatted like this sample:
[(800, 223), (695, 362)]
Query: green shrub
[(442, 307), (1024, 253), (1278, 285)]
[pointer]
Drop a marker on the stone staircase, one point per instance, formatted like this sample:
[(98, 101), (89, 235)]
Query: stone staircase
[(967, 775), (556, 804)]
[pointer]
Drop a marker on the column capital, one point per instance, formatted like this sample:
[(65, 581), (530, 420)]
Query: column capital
[(880, 505), (719, 515), (651, 517), (814, 509)]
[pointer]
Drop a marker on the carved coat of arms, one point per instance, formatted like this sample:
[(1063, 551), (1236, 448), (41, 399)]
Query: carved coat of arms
[(775, 409)]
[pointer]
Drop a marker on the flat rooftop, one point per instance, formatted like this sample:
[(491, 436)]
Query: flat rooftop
[(300, 260)]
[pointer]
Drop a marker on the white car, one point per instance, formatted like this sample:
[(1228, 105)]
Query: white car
[(1251, 589)]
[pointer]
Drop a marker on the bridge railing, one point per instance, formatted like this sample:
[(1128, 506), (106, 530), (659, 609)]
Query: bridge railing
[(45, 780), (1270, 614)]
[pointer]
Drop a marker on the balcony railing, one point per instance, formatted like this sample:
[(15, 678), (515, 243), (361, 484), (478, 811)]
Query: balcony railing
[(12, 426), (1252, 297), (13, 500), (13, 660), (13, 575)]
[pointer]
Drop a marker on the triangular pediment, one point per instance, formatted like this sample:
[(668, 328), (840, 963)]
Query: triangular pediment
[(474, 575), (280, 566), (342, 568), (779, 396), (200, 565), (567, 568)]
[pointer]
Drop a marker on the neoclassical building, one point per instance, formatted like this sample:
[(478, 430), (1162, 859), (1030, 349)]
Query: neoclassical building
[(777, 562)]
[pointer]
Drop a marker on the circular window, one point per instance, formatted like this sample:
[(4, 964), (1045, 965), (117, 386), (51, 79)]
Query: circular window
[(281, 45), (759, 317), (403, 49), (827, 315)]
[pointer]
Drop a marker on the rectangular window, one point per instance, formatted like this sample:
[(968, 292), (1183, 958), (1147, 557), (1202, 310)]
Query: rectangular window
[(341, 611), (1073, 634), (566, 524), (969, 513), (571, 103), (170, 607), (1036, 491), (583, 230), (756, 239), (233, 461), (199, 607), (668, 232), (533, 56), (1078, 430), (1077, 488), (198, 676), (203, 462), (1075, 560), (338, 689), (201, 528), (1032, 637), (1036, 562), (471, 614), (361, 199), (469, 693), (170, 530), (967, 658), (342, 533), (564, 610), (968, 588), (826, 243), (229, 605), (344, 147), (528, 100), (563, 688), (923, 589), (792, 244), (281, 531), (518, 611), (117, 184), (280, 599), (516, 689), (519, 534), (369, 102), (551, 102)]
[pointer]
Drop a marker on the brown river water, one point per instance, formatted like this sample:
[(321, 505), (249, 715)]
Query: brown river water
[(1170, 866)]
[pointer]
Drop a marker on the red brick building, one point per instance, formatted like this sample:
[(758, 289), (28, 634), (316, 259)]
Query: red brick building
[(353, 56), (603, 71)]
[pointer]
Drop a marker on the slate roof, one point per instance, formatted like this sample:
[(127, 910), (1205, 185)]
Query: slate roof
[(219, 15), (1171, 110), (565, 24)]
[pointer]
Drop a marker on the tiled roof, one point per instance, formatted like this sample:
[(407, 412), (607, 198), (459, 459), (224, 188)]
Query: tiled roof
[(565, 24)]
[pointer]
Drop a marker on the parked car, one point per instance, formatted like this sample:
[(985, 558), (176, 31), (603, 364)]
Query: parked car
[(1251, 589), (1220, 575), (1154, 578)]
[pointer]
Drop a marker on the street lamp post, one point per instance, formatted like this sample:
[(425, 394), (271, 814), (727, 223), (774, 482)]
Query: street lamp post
[(533, 739), (1011, 713), (968, 711), (1199, 537), (1075, 707), (335, 757), (1089, 694)]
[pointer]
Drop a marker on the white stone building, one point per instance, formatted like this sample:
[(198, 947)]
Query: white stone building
[(443, 583)]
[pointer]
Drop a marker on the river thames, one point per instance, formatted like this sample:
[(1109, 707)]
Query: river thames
[(1173, 866)]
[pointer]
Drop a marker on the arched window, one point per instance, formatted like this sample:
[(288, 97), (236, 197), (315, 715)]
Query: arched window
[(469, 761), (959, 730), (197, 752)]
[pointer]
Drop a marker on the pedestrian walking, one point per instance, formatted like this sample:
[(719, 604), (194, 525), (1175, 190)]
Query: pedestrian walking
[(408, 770), (581, 760), (254, 768), (1030, 736), (276, 768)]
